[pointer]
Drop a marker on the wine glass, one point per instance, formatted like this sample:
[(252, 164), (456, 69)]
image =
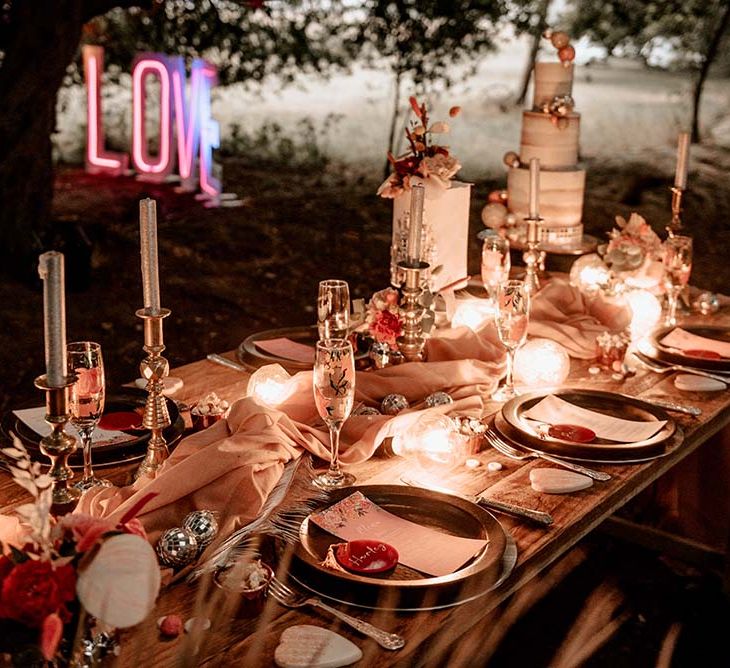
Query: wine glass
[(333, 309), (677, 259), (511, 318), (334, 394), (495, 263), (86, 401)]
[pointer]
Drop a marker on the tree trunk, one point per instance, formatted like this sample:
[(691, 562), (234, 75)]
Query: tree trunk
[(393, 121), (38, 48), (707, 61), (534, 48)]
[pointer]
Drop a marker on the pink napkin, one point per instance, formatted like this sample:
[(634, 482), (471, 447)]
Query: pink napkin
[(233, 465), (564, 314)]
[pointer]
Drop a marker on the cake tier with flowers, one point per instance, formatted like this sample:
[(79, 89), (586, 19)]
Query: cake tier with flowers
[(551, 133)]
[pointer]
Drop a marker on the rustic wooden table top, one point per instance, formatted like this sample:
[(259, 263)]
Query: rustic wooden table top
[(433, 637)]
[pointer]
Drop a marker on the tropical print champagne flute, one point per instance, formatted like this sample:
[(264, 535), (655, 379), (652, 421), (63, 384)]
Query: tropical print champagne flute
[(677, 261), (511, 317), (334, 395), (86, 401), (333, 309)]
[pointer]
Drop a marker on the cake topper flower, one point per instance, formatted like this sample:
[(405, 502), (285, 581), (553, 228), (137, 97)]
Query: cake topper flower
[(425, 159)]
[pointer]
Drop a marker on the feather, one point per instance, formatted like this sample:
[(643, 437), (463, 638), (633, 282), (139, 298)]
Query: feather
[(291, 500)]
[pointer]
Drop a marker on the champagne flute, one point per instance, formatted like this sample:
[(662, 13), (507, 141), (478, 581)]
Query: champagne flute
[(86, 401), (511, 318), (677, 259), (334, 394), (496, 263), (333, 309)]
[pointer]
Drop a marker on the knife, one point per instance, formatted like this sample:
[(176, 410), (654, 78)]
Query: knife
[(219, 359), (671, 406), (536, 516)]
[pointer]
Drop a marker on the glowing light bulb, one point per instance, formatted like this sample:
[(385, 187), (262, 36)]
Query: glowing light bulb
[(473, 313), (541, 363), (270, 385), (646, 311)]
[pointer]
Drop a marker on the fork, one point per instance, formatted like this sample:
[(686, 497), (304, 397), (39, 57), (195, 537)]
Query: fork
[(513, 453), (291, 599), (664, 368)]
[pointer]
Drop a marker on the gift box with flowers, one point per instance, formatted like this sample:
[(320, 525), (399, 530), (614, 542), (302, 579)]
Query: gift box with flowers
[(446, 208), (67, 583)]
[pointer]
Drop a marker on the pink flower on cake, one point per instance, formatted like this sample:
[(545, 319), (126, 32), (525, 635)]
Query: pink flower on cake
[(440, 169)]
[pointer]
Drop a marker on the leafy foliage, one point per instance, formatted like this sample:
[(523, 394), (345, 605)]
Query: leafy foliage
[(245, 40)]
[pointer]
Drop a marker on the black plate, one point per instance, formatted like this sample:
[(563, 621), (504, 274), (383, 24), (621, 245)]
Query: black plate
[(656, 350), (103, 455), (405, 588), (513, 425)]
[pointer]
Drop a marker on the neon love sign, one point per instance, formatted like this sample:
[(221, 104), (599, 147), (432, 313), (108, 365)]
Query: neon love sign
[(186, 118)]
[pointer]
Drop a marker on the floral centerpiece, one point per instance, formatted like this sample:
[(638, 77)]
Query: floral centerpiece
[(634, 252), (426, 160), (445, 230), (383, 318), (57, 575)]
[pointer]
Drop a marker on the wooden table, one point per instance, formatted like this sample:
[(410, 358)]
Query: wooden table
[(460, 635)]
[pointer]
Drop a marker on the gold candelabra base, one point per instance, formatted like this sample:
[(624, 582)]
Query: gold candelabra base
[(154, 368), (59, 445), (532, 257), (412, 342), (675, 225)]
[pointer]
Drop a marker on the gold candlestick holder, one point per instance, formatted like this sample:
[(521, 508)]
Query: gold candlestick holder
[(532, 256), (154, 368), (59, 445), (675, 226), (412, 342)]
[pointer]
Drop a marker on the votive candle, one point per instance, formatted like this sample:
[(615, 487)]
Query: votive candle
[(148, 250), (51, 271), (534, 187), (415, 230), (680, 175)]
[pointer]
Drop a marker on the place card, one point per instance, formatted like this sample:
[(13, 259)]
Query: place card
[(287, 349), (426, 550), (683, 340), (34, 418), (554, 410)]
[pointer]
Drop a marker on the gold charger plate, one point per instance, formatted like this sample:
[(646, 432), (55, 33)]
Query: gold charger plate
[(514, 425), (656, 350), (249, 354), (406, 589)]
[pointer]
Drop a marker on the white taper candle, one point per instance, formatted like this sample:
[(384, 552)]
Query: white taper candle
[(148, 250), (415, 230), (534, 187), (51, 270), (680, 175)]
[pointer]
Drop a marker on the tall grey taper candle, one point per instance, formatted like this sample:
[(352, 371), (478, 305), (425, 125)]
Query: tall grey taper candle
[(415, 230), (51, 270), (680, 175), (148, 249)]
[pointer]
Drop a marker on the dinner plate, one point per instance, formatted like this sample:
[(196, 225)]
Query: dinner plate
[(404, 588), (515, 439), (248, 353), (103, 455), (656, 350), (517, 427)]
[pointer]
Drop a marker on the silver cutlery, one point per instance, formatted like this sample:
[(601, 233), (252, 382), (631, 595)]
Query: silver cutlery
[(660, 367), (289, 598), (671, 406), (513, 453), (537, 516), (224, 361)]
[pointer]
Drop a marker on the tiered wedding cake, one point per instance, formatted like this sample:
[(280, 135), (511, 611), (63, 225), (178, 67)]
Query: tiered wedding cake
[(550, 132)]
